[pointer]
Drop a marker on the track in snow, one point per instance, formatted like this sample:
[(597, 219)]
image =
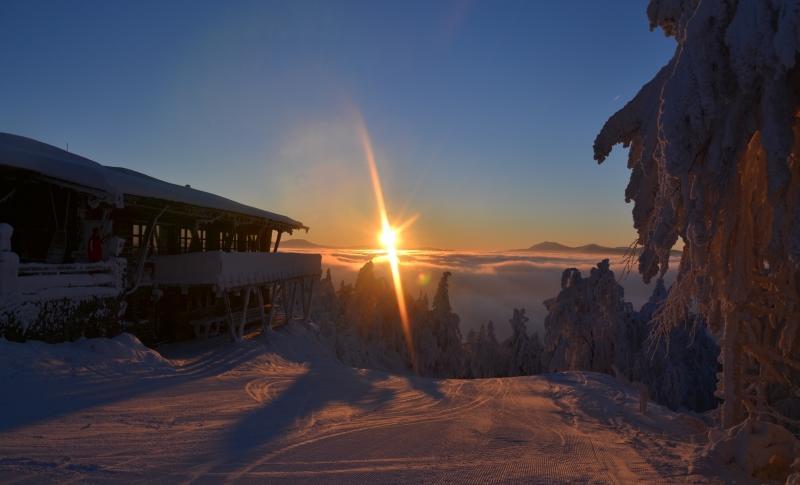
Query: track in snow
[(287, 411)]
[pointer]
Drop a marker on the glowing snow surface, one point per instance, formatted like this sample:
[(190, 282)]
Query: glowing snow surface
[(108, 410)]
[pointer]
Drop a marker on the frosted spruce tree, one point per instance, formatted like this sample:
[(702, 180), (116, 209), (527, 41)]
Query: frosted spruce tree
[(486, 357), (524, 352), (680, 370), (590, 326), (445, 328), (714, 158), (325, 307)]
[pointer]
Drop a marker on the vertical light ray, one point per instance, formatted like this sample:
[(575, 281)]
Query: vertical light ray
[(391, 249)]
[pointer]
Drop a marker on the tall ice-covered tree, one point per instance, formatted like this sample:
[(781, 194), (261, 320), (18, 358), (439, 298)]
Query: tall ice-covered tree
[(713, 155)]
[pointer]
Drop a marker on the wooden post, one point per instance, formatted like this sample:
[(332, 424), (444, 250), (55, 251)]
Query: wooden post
[(290, 313), (240, 333), (278, 241), (268, 239), (226, 299), (285, 299), (307, 300), (261, 314), (272, 299), (136, 277)]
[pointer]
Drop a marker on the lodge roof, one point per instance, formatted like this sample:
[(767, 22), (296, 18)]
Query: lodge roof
[(113, 183)]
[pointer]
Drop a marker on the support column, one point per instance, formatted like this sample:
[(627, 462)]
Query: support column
[(229, 312), (272, 306), (260, 292), (267, 245), (307, 300), (277, 241), (290, 313), (240, 331)]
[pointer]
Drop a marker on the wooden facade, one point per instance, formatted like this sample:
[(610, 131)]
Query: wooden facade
[(53, 220)]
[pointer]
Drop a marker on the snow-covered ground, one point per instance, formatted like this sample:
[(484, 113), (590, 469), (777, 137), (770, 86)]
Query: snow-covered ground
[(286, 410)]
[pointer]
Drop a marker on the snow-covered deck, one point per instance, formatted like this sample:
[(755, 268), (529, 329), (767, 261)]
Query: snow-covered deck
[(224, 270), (43, 282)]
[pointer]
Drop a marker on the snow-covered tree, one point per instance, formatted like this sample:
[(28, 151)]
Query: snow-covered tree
[(368, 331), (524, 353), (444, 324), (589, 325), (325, 306), (679, 371), (714, 152), (485, 356), (494, 359)]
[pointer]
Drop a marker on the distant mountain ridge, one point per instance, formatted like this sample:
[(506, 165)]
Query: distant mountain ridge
[(299, 244), (554, 247)]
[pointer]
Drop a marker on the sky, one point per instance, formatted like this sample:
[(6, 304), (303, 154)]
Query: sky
[(481, 114)]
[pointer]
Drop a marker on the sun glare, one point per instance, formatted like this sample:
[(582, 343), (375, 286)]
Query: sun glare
[(388, 239), (388, 236)]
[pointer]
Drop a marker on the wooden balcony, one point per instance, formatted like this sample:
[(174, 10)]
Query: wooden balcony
[(231, 270)]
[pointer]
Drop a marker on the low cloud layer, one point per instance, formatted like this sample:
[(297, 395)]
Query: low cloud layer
[(487, 285)]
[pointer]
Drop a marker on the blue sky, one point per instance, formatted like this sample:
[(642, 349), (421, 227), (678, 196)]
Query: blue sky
[(482, 114)]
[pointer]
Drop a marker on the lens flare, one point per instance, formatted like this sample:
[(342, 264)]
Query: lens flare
[(388, 236)]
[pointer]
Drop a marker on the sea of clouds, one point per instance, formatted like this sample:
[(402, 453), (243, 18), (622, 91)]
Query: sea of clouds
[(487, 285)]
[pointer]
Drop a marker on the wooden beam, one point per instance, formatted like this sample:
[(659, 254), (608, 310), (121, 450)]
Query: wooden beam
[(205, 214), (278, 241)]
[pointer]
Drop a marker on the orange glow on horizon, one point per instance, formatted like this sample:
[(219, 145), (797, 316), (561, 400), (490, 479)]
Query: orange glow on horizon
[(388, 236)]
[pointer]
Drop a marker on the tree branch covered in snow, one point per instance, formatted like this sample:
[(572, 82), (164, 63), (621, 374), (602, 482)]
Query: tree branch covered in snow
[(714, 161)]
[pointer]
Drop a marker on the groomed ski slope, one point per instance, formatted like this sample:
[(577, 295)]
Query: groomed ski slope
[(285, 410)]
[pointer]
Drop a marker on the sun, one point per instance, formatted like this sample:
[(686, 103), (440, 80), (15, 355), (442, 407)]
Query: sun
[(388, 238)]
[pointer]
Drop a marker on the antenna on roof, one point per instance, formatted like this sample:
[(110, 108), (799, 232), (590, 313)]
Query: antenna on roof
[(67, 146)]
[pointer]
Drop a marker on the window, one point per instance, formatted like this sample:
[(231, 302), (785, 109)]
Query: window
[(185, 240), (163, 236), (252, 242), (227, 237), (156, 244), (201, 235), (137, 235)]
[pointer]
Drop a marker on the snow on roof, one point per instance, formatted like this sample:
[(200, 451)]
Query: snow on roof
[(25, 153), (115, 182)]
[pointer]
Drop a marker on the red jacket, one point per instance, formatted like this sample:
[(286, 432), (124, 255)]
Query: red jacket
[(95, 249)]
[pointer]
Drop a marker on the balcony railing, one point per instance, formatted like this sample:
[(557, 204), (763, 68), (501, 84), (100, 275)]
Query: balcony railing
[(225, 270), (42, 282)]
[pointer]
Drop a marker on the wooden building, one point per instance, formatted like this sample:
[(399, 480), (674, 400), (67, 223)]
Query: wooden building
[(187, 256)]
